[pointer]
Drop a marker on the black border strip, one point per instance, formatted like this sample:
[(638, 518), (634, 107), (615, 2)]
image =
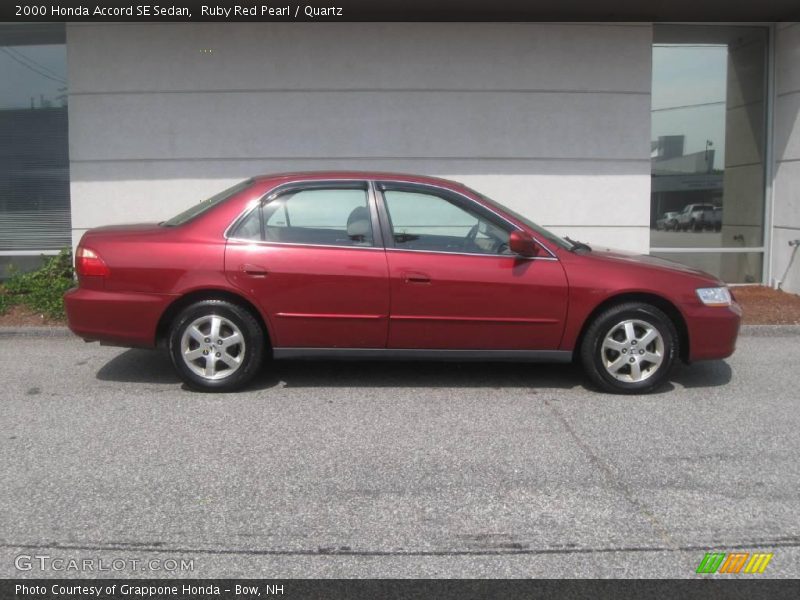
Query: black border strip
[(400, 10), (441, 589)]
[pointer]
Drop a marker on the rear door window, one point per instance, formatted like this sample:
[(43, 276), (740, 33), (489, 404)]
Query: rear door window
[(320, 216)]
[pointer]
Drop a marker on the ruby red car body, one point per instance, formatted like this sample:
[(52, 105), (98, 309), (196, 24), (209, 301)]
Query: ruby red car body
[(380, 298)]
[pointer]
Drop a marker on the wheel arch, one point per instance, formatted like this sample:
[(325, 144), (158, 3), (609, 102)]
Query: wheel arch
[(660, 302), (162, 329)]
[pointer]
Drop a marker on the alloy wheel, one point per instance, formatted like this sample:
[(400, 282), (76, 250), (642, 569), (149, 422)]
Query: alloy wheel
[(632, 351), (213, 347)]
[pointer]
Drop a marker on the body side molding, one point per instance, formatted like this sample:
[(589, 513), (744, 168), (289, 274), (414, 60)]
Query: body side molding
[(553, 356)]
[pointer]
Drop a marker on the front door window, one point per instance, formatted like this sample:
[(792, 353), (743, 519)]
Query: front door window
[(422, 221)]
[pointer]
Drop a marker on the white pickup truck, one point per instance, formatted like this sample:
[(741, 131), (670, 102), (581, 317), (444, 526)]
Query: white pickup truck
[(699, 217)]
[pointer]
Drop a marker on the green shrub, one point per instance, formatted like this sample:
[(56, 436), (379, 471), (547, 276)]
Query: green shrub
[(43, 289), (6, 301)]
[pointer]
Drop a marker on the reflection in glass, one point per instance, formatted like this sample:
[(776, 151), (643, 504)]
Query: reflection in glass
[(731, 267), (34, 160), (707, 148), (34, 77)]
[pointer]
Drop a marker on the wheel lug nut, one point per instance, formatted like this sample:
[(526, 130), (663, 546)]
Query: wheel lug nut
[(641, 351), (624, 350), (633, 343), (219, 342), (219, 354), (632, 359), (207, 340)]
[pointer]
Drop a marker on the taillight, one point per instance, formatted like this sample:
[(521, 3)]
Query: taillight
[(89, 264)]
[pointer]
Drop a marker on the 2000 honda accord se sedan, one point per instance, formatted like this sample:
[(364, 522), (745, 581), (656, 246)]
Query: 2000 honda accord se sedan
[(363, 265)]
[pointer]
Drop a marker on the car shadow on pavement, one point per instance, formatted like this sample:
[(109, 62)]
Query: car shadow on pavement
[(710, 373), (497, 375), (379, 374), (139, 366), (154, 367)]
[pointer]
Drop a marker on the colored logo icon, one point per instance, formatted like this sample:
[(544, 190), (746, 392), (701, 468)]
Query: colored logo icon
[(734, 562)]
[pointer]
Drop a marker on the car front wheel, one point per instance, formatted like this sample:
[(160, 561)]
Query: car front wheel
[(216, 346), (630, 348)]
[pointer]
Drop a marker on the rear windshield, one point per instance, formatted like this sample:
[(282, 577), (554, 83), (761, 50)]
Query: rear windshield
[(201, 207)]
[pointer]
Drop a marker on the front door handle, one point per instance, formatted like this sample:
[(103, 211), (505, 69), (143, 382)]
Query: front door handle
[(416, 277), (253, 270)]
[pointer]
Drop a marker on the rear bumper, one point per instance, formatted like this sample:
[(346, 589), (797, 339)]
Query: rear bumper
[(124, 319), (712, 331)]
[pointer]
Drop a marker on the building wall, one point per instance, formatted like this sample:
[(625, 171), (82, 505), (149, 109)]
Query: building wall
[(550, 119), (786, 187)]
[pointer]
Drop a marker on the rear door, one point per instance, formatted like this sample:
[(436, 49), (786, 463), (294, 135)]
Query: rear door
[(311, 253)]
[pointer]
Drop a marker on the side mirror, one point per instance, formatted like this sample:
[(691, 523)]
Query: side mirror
[(521, 243)]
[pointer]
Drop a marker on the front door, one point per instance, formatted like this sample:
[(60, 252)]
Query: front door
[(313, 259), (454, 283)]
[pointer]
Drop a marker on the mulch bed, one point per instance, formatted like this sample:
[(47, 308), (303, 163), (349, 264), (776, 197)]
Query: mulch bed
[(766, 306), (21, 316), (761, 306)]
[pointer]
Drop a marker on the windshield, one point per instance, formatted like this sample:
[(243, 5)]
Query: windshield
[(201, 207), (538, 229)]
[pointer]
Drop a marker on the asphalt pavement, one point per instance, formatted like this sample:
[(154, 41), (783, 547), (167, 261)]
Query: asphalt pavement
[(364, 469)]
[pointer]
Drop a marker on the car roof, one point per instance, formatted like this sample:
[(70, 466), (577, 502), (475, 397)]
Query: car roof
[(374, 175)]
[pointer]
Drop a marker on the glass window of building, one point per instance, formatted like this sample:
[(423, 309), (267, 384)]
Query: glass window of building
[(708, 148), (34, 159)]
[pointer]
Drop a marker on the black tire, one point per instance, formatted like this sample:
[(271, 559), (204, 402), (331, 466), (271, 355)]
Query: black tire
[(250, 352), (593, 355)]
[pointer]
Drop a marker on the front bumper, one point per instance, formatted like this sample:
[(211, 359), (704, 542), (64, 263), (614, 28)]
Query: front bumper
[(119, 318), (712, 330)]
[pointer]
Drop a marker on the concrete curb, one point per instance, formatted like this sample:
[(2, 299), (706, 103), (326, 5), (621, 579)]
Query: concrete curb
[(55, 331), (769, 330), (61, 332)]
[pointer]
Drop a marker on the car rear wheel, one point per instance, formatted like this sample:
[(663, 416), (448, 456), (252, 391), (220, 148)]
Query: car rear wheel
[(216, 346), (630, 348)]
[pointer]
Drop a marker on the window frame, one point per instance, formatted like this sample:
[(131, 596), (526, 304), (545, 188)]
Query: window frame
[(381, 229), (37, 34), (765, 248), (305, 185), (460, 200)]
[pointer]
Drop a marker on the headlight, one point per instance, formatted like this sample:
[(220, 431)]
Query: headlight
[(718, 296)]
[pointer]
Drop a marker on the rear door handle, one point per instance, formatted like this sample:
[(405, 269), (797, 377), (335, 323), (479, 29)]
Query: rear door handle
[(253, 270), (415, 277)]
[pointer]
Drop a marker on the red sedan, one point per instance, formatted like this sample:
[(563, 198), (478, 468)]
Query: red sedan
[(380, 265)]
